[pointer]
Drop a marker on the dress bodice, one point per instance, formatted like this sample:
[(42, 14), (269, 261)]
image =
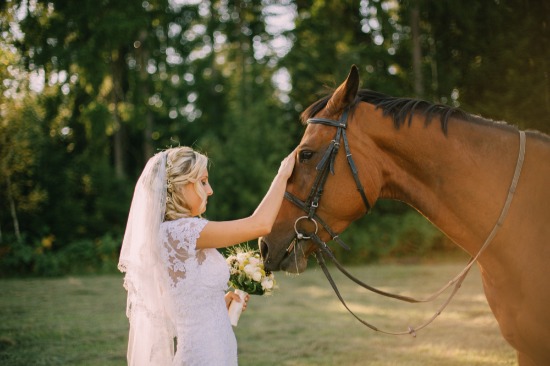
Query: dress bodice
[(198, 281)]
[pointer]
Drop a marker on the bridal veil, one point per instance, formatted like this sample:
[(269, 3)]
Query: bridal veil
[(152, 328)]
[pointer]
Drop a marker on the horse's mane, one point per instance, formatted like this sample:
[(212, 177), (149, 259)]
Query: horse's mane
[(401, 110)]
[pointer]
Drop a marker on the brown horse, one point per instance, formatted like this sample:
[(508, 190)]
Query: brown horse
[(457, 173)]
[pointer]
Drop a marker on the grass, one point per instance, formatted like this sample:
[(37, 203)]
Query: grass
[(81, 321)]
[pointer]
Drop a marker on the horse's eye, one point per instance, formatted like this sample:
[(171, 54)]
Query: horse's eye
[(305, 155)]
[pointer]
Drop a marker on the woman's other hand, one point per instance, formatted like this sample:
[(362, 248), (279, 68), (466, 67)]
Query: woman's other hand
[(231, 296)]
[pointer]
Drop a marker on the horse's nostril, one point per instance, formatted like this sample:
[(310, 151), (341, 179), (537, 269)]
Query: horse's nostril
[(263, 250)]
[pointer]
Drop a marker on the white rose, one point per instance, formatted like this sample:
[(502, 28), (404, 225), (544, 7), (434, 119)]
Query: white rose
[(241, 257), (267, 284), (249, 269), (257, 276)]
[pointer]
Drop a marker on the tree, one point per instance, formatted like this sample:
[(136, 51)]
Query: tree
[(123, 80), (488, 57), (19, 139)]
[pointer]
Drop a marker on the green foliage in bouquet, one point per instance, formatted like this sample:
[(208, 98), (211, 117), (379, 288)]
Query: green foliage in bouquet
[(247, 271)]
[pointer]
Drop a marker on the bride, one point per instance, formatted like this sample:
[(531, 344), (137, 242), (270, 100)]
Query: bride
[(175, 277)]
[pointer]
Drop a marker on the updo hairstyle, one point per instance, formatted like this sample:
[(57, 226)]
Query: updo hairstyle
[(183, 165)]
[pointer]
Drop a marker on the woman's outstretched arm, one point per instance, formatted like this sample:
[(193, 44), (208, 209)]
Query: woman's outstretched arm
[(219, 234)]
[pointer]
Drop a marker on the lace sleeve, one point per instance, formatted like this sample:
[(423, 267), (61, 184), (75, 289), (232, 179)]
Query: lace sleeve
[(179, 244)]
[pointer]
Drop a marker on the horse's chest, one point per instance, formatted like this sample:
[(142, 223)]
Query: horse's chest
[(521, 313)]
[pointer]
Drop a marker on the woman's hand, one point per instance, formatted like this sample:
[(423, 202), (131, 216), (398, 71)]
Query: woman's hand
[(287, 165), (231, 296)]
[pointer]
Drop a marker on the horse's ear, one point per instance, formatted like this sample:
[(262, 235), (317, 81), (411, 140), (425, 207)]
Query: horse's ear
[(345, 94)]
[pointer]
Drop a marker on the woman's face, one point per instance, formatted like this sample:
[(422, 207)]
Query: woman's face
[(193, 199)]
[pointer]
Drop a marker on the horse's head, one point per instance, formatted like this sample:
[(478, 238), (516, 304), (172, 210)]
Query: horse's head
[(322, 168)]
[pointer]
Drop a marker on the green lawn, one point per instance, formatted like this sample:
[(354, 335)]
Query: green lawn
[(81, 321)]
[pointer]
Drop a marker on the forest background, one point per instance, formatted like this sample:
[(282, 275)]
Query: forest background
[(91, 89)]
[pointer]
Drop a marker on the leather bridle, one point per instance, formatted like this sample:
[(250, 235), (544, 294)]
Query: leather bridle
[(324, 167), (310, 205)]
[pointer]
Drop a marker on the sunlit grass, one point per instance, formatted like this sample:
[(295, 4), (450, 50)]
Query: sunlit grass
[(305, 324), (81, 321)]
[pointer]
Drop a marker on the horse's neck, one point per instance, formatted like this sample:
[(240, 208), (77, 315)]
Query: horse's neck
[(459, 181)]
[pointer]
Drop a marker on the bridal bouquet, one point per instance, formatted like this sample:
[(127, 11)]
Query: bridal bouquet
[(247, 275)]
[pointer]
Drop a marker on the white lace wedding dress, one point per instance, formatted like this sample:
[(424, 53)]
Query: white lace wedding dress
[(198, 284)]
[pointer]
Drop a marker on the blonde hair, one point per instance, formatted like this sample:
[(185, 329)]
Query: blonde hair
[(183, 165)]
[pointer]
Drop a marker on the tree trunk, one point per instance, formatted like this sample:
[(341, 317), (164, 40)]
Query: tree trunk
[(416, 52), (13, 211), (142, 55), (117, 145), (117, 64)]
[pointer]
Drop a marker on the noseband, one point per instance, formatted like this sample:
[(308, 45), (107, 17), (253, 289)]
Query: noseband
[(310, 205)]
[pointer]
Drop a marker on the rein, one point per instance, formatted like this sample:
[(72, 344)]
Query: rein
[(326, 165)]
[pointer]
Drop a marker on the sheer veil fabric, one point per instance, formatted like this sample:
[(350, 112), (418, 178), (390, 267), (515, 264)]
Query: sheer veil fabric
[(152, 321)]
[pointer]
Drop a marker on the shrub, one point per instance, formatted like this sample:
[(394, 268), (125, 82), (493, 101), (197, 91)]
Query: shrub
[(78, 257)]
